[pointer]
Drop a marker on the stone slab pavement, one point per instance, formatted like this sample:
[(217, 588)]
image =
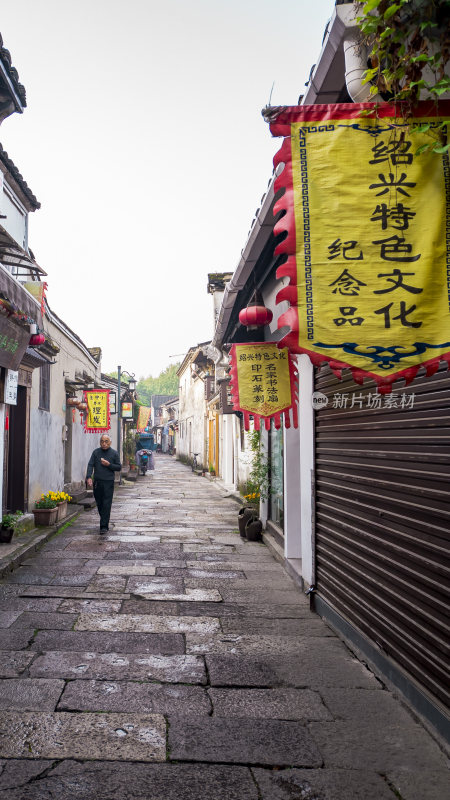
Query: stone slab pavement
[(171, 660)]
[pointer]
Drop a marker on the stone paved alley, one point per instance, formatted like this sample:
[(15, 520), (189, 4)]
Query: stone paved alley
[(170, 660)]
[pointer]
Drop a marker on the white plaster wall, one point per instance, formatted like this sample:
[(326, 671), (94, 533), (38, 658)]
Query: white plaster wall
[(113, 431), (15, 214), (198, 427), (243, 457), (298, 448), (192, 415), (82, 446), (292, 497), (227, 449), (264, 504), (306, 429), (47, 454), (183, 444), (2, 449), (269, 293)]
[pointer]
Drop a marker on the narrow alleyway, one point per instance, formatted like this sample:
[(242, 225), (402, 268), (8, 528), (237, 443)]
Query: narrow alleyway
[(170, 660)]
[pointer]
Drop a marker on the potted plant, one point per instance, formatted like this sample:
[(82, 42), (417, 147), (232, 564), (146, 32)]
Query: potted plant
[(45, 510), (257, 489), (253, 529), (248, 511), (62, 499), (9, 525)]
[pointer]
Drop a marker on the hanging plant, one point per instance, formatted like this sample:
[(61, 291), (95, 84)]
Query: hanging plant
[(409, 46)]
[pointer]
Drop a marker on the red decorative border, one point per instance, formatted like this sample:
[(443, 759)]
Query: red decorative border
[(281, 126), (234, 386), (85, 398)]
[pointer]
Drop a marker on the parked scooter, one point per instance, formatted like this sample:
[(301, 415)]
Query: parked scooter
[(144, 463), (143, 456)]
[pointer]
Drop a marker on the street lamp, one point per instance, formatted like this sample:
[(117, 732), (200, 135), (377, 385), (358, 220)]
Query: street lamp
[(131, 386)]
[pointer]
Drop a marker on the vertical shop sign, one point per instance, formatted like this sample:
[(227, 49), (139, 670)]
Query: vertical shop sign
[(11, 382), (368, 238), (263, 383), (98, 414)]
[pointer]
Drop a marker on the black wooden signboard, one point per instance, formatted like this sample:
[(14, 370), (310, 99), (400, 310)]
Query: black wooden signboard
[(13, 343)]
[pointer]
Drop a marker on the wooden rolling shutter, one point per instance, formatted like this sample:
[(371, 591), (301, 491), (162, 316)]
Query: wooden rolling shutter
[(383, 519)]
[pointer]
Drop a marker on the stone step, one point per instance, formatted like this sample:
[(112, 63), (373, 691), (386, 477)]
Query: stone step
[(77, 497), (87, 503)]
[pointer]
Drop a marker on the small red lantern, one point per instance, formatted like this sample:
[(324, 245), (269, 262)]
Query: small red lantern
[(36, 339), (72, 402), (256, 315), (82, 406)]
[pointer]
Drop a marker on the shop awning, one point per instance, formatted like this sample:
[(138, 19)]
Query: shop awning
[(33, 358), (13, 291), (12, 255)]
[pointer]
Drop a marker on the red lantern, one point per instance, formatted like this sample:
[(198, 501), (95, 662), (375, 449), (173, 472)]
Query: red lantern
[(72, 401), (36, 339), (256, 315)]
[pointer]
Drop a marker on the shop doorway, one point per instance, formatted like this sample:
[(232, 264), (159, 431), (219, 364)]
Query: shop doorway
[(17, 484)]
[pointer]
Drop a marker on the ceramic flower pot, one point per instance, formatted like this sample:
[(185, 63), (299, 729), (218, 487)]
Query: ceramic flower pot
[(245, 514), (6, 534), (45, 516), (62, 510), (253, 529)]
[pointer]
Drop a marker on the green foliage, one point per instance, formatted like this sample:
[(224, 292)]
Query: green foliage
[(165, 383), (129, 448), (258, 480), (403, 38), (11, 520), (45, 502)]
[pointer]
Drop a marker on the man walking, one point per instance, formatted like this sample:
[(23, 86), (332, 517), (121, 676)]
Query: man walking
[(104, 462)]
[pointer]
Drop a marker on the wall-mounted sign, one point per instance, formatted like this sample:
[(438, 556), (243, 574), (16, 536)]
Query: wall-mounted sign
[(127, 410), (225, 397), (368, 238), (97, 417), (264, 383), (11, 381), (13, 343), (112, 403)]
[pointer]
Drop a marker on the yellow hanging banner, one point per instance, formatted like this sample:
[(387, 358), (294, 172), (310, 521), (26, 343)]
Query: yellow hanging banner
[(143, 418), (368, 238), (263, 382), (98, 414)]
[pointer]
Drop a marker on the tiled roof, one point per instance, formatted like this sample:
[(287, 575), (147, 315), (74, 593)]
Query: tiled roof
[(96, 353), (14, 172), (5, 58), (158, 399)]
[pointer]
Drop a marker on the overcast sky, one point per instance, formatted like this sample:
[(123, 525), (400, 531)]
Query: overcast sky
[(144, 142)]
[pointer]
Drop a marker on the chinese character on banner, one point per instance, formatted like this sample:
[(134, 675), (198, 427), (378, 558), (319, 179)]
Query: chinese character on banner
[(98, 414), (264, 383), (143, 418), (356, 190)]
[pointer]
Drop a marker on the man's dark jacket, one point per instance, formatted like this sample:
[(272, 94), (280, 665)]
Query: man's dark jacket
[(102, 473)]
